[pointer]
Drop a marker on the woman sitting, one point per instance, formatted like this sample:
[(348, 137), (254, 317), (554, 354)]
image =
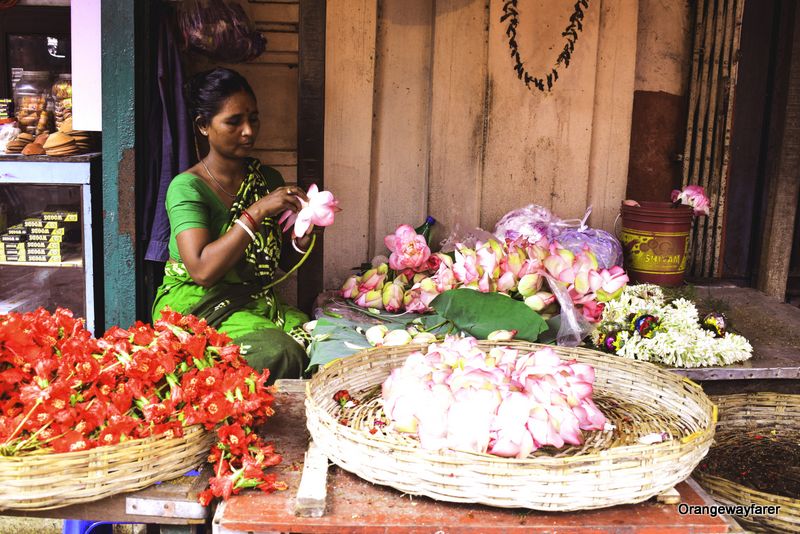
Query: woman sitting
[(225, 243)]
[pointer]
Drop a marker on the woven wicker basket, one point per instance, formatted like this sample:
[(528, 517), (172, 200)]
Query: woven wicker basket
[(41, 481), (610, 468), (740, 416)]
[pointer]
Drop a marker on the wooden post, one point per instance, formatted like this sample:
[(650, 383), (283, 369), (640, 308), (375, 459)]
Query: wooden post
[(350, 76), (119, 162), (311, 132), (783, 185)]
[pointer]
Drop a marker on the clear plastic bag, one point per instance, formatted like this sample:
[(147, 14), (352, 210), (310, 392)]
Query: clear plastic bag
[(574, 327), (466, 237), (533, 222), (604, 245), (220, 29)]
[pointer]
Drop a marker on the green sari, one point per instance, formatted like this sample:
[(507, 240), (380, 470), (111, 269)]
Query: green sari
[(241, 304)]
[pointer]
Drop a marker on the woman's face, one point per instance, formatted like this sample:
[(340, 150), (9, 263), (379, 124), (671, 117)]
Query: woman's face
[(234, 129)]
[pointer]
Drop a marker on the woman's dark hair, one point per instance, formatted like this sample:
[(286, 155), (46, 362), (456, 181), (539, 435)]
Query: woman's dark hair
[(207, 91)]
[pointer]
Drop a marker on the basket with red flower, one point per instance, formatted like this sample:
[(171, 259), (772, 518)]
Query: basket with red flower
[(83, 418)]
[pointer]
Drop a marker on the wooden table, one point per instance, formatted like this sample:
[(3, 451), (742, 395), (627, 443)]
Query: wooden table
[(354, 505), (773, 329), (169, 508)]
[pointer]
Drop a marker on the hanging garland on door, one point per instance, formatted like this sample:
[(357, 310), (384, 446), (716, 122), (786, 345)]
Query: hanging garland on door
[(545, 83)]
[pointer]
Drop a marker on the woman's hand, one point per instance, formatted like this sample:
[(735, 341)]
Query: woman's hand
[(282, 199)]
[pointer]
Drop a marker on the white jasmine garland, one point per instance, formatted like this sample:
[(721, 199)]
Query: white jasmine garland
[(680, 341)]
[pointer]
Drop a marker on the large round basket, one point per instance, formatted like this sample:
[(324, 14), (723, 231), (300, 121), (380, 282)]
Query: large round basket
[(41, 480), (612, 467), (756, 427)]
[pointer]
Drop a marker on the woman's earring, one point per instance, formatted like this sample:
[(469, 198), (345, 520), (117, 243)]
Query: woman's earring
[(205, 133)]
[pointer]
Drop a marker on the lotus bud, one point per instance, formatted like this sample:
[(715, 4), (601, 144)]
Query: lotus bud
[(502, 335), (506, 282), (419, 277), (529, 284), (395, 338), (350, 288), (423, 338), (376, 334), (392, 297), (370, 299), (372, 279), (310, 326), (539, 301), (445, 258)]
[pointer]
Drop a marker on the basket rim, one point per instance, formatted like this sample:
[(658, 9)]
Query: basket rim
[(188, 431), (780, 499)]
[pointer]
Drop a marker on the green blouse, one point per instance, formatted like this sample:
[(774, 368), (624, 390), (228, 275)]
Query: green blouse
[(191, 203)]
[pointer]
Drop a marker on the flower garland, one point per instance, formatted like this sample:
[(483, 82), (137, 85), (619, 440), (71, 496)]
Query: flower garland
[(641, 325), (511, 13)]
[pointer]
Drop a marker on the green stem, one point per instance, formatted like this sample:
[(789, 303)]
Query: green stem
[(297, 266), (434, 327), (32, 436), (24, 420)]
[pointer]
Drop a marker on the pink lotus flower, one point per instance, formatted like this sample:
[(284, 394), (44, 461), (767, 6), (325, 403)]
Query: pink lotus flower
[(694, 196), (559, 264), (409, 250), (512, 438), (609, 283), (592, 311), (420, 295), (466, 266), (444, 278), (319, 210)]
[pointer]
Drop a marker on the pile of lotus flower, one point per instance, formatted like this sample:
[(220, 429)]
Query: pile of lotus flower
[(505, 402), (414, 276)]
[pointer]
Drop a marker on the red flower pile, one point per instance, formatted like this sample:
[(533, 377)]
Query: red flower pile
[(63, 390)]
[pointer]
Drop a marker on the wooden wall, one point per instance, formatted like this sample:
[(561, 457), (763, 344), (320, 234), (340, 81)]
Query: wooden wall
[(425, 115)]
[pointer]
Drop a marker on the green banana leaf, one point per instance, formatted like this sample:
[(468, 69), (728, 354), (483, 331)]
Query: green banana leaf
[(480, 314)]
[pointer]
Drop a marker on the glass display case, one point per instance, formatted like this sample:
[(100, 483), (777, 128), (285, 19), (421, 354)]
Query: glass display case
[(47, 235), (34, 39)]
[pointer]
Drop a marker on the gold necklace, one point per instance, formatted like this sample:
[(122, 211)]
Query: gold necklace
[(203, 161)]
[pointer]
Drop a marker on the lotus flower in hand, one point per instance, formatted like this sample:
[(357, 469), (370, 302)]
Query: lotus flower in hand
[(694, 196), (319, 210)]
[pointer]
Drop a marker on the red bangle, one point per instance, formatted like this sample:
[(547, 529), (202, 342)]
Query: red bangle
[(250, 219)]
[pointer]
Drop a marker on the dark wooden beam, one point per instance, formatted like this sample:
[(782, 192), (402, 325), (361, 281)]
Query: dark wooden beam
[(783, 180), (311, 132)]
